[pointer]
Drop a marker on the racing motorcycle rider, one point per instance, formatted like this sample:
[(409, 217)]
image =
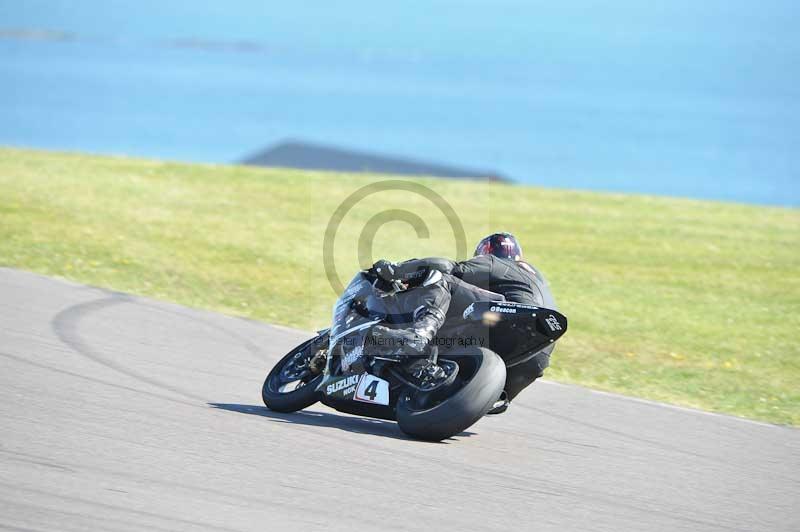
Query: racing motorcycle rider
[(497, 266), (417, 307)]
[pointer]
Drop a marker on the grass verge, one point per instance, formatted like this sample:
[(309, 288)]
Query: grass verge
[(690, 302)]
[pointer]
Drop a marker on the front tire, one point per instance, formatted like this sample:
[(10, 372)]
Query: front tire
[(291, 386), (479, 389)]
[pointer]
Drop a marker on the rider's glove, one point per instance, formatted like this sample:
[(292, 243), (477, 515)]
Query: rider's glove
[(384, 270), (400, 338)]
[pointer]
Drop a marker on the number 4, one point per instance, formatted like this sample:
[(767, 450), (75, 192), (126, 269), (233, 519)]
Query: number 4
[(371, 390)]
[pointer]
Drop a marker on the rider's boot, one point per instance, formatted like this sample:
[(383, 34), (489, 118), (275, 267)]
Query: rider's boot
[(424, 368)]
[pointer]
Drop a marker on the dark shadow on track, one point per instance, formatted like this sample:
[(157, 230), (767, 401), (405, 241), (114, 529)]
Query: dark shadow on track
[(359, 425)]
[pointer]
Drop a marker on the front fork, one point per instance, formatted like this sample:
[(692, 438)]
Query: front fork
[(317, 362)]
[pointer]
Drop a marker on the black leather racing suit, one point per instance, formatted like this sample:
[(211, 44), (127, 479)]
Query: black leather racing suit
[(517, 281), (432, 299)]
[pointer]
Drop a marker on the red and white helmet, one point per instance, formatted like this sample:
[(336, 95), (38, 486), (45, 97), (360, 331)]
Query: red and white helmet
[(503, 245)]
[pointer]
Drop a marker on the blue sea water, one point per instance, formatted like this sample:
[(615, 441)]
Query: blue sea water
[(696, 99)]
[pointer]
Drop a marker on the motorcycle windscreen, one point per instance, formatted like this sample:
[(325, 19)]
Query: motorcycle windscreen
[(355, 312)]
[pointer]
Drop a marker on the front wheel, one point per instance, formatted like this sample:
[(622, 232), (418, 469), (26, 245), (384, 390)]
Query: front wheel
[(291, 385), (481, 377)]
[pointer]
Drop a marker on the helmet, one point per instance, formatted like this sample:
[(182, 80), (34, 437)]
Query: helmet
[(502, 245)]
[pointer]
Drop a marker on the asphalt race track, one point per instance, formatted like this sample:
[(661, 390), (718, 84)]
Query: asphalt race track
[(123, 413)]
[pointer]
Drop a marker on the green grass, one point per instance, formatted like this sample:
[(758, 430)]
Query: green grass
[(694, 303)]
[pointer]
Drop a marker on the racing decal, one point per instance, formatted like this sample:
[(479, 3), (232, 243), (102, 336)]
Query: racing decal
[(468, 310), (351, 356), (524, 306), (372, 389), (352, 289), (338, 336), (552, 322), (342, 384), (504, 310)]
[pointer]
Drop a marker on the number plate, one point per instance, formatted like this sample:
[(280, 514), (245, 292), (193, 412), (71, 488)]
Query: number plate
[(372, 389)]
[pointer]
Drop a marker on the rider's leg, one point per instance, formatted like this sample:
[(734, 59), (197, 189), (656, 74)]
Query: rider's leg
[(521, 376), (464, 294)]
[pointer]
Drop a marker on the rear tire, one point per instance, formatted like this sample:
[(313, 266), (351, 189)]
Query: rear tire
[(462, 409), (305, 394)]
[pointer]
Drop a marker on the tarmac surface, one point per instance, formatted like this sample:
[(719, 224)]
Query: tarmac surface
[(123, 413)]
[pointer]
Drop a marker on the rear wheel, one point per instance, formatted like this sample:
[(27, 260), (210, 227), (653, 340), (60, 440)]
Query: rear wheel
[(480, 380), (291, 385)]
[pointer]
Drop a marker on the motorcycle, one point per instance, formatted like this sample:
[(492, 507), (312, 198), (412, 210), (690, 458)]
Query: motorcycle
[(432, 397)]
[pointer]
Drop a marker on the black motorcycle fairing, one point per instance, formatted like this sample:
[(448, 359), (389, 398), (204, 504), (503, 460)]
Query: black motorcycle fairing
[(433, 397), (514, 331), (356, 311)]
